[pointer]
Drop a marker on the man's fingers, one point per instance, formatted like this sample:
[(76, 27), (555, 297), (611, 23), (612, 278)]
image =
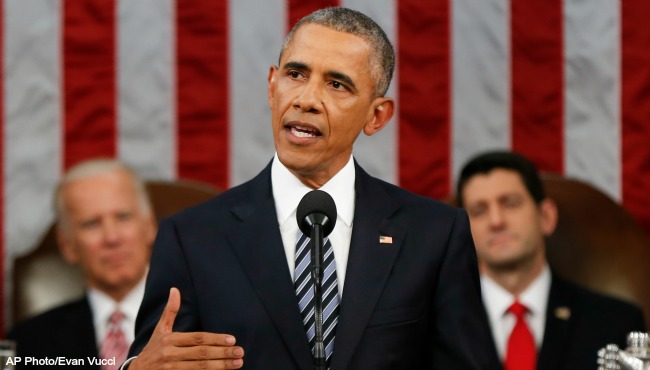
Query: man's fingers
[(198, 353), (201, 339), (168, 316), (207, 364)]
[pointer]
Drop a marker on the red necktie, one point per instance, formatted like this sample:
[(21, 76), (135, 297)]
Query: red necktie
[(114, 345), (521, 353)]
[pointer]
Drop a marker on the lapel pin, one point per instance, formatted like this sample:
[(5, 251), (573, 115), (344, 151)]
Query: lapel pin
[(385, 239), (563, 313)]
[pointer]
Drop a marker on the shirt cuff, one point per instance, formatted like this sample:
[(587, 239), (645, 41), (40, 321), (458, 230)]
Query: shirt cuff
[(126, 363)]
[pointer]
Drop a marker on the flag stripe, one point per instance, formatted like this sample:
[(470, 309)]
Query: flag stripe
[(537, 82), (300, 8), (89, 79), (592, 112), (146, 87), (3, 261), (480, 78), (424, 132), (250, 120), (202, 90), (32, 129), (32, 114), (635, 107)]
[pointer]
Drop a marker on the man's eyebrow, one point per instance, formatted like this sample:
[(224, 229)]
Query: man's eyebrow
[(339, 76), (296, 65)]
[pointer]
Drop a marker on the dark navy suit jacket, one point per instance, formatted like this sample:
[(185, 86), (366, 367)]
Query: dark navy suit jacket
[(579, 323), (595, 321), (66, 331), (411, 304)]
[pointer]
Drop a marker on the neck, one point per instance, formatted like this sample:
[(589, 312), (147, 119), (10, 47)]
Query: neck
[(311, 181), (316, 179), (117, 293), (515, 280)]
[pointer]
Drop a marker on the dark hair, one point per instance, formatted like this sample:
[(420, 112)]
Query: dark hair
[(382, 57), (486, 162)]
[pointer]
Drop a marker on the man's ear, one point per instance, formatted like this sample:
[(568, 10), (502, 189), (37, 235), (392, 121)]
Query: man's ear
[(271, 79), (66, 246), (382, 111), (549, 213)]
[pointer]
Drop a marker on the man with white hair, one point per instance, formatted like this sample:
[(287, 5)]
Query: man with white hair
[(106, 226)]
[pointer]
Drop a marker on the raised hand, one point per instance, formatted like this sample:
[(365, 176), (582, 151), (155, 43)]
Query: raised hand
[(198, 350)]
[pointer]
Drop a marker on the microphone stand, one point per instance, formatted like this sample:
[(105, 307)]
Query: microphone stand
[(317, 278)]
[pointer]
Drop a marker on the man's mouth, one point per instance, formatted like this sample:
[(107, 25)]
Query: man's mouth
[(302, 131), (499, 239)]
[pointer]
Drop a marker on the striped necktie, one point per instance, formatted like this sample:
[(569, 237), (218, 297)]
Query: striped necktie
[(114, 345), (305, 293)]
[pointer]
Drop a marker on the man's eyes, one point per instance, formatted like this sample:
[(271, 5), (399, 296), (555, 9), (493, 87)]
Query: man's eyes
[(476, 211), (337, 85), (294, 74), (90, 224)]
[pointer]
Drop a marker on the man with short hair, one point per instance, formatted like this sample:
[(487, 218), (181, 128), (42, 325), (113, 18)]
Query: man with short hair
[(106, 226), (538, 320), (401, 289)]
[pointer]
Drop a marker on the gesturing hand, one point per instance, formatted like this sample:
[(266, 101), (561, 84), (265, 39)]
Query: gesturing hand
[(199, 350)]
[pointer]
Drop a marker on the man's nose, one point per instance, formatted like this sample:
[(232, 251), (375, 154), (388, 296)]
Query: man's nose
[(111, 232), (496, 218), (309, 97)]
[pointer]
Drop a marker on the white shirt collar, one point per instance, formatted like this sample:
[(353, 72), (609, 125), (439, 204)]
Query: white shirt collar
[(497, 300), (534, 297), (102, 307), (288, 191)]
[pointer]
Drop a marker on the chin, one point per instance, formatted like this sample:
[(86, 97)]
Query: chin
[(296, 162), (123, 277), (506, 263)]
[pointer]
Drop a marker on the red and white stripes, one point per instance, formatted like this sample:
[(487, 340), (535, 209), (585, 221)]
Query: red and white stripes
[(177, 89)]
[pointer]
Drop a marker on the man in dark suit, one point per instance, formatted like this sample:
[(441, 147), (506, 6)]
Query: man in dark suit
[(405, 268), (562, 326), (105, 224)]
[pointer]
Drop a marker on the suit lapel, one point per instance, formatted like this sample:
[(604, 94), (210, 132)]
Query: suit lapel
[(369, 264), (258, 245), (79, 333), (559, 323)]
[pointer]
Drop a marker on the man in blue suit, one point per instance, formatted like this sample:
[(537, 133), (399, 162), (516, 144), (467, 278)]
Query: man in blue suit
[(220, 292), (563, 326)]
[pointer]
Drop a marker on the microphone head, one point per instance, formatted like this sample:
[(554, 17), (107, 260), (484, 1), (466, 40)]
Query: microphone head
[(316, 207)]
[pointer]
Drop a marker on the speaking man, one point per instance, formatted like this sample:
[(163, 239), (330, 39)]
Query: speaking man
[(225, 290)]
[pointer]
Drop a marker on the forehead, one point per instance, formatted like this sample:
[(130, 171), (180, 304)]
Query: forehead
[(99, 191), (314, 43), (495, 183)]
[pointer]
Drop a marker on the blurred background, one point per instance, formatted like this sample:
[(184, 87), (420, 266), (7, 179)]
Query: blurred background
[(177, 89)]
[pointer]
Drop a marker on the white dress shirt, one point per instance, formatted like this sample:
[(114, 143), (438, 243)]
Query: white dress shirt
[(287, 193), (102, 307), (497, 300)]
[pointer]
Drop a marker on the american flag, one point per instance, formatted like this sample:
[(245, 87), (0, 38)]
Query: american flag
[(177, 89)]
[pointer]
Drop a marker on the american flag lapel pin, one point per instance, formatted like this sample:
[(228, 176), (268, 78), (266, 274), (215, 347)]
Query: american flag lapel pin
[(383, 239), (563, 313)]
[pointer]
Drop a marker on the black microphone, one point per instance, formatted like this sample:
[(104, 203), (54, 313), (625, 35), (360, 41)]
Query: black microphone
[(316, 216), (316, 208)]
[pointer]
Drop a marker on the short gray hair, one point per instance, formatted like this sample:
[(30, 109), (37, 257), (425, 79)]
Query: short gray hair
[(382, 58), (94, 167)]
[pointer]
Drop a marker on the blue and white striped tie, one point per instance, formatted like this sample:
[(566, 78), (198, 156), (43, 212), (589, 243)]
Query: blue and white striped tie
[(305, 292)]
